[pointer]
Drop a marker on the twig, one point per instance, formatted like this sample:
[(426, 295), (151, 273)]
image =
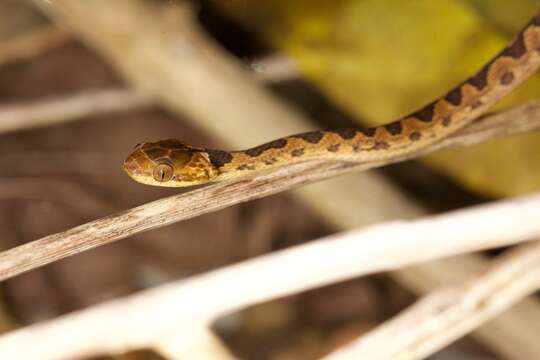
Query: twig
[(449, 313), (211, 198), (31, 44), (21, 116), (145, 318), (511, 335)]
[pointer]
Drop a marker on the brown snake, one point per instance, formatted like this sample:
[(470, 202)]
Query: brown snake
[(172, 163)]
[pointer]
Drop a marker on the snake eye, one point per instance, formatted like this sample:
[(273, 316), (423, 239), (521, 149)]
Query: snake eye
[(163, 172)]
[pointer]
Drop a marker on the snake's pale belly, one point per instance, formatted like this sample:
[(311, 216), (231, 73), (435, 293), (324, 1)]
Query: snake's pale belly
[(172, 163)]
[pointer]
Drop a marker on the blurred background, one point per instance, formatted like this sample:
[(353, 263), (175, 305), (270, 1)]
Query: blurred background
[(338, 63)]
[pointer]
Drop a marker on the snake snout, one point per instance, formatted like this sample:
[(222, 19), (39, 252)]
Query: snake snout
[(130, 165)]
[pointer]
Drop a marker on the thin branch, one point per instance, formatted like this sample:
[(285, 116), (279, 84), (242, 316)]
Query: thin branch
[(145, 318), (218, 196), (510, 335), (22, 116), (449, 313)]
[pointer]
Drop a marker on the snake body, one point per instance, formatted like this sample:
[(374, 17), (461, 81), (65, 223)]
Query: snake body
[(173, 163)]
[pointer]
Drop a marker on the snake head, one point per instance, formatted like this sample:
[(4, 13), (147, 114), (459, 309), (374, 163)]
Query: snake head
[(169, 163)]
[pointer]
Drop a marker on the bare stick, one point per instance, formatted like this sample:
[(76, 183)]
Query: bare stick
[(449, 313), (201, 299), (211, 198), (21, 116), (511, 335)]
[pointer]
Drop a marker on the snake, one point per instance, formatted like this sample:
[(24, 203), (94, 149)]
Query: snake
[(173, 163)]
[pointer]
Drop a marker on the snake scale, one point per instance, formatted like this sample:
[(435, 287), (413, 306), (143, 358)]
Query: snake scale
[(172, 163)]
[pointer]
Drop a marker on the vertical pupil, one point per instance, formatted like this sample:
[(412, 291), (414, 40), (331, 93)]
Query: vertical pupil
[(163, 172)]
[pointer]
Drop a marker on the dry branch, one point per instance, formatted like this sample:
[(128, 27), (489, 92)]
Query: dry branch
[(218, 196), (449, 313), (45, 113), (511, 335), (145, 318)]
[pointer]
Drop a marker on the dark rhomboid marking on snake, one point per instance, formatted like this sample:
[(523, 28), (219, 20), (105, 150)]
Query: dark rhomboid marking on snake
[(394, 128), (312, 137), (346, 133), (218, 158), (368, 132), (517, 49), (426, 113), (479, 81), (454, 96), (258, 150)]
